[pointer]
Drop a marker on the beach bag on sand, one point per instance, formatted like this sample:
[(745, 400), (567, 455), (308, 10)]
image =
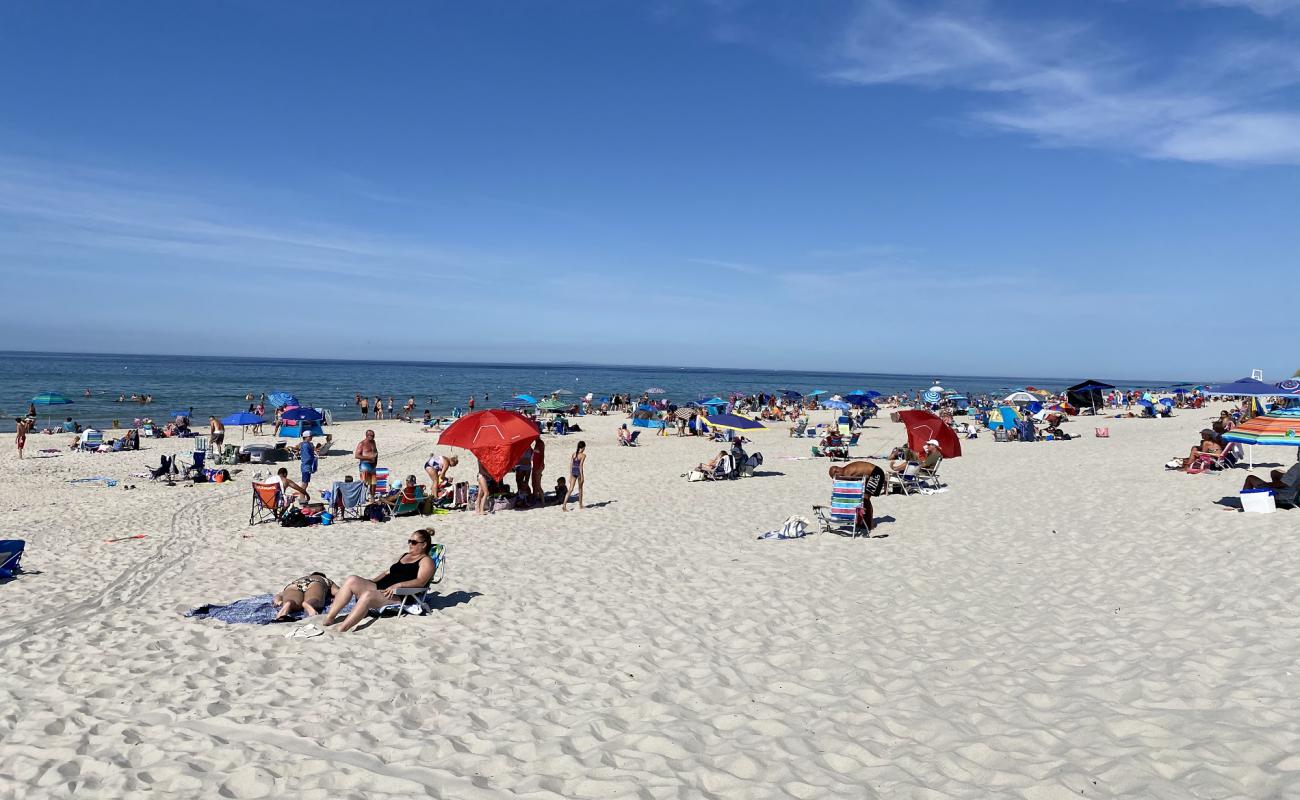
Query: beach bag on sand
[(794, 528), (1102, 433), (294, 518), (460, 495), (694, 475)]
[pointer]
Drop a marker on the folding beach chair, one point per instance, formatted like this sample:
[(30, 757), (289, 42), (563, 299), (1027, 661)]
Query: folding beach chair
[(416, 600), (915, 478), (229, 454), (348, 500), (11, 555), (406, 507), (381, 481), (846, 511), (266, 503), (200, 444), (165, 469), (91, 440), (1225, 460), (723, 470)]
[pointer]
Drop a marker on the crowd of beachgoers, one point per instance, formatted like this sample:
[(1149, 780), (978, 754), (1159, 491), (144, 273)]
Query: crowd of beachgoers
[(967, 566)]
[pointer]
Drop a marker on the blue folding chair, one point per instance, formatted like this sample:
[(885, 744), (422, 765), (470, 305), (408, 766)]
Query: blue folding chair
[(11, 555)]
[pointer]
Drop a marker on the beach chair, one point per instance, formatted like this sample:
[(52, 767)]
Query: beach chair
[(799, 428), (266, 503), (200, 444), (915, 478), (381, 481), (846, 512), (417, 600), (853, 440), (1206, 462), (754, 461), (229, 454), (348, 500), (11, 556), (722, 471), (91, 440), (165, 469), (195, 466), (147, 432), (404, 507)]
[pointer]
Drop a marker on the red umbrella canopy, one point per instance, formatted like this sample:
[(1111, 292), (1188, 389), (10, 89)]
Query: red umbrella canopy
[(496, 437), (923, 426)]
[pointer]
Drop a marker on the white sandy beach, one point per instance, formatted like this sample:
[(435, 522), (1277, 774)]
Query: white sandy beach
[(1068, 619)]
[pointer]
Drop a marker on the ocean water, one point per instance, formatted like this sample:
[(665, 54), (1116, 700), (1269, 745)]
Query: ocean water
[(211, 385)]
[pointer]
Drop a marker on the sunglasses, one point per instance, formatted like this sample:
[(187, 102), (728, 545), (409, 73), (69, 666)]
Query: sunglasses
[(415, 541)]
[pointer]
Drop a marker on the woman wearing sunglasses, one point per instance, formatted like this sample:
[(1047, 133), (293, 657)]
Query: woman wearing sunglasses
[(412, 570)]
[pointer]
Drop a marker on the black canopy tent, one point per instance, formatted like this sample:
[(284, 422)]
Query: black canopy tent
[(1088, 394)]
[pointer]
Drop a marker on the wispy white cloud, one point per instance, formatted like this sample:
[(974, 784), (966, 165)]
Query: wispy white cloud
[(734, 266), (1268, 8), (1071, 83), (72, 209)]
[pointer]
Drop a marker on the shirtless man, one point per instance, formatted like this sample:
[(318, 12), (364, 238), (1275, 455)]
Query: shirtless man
[(367, 456), (876, 484)]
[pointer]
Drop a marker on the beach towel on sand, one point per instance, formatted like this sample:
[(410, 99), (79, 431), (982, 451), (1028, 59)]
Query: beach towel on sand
[(255, 610)]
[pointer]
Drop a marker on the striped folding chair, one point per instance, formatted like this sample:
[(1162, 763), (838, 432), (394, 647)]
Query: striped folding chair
[(845, 513), (381, 481)]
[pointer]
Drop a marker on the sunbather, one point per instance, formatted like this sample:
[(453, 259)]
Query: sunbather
[(1208, 445), (412, 570), (309, 593)]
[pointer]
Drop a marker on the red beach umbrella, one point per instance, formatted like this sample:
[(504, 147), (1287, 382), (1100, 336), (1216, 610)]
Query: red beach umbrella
[(923, 426), (496, 437)]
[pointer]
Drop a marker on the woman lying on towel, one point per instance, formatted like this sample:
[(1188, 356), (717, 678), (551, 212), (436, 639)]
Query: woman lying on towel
[(412, 570), (309, 593)]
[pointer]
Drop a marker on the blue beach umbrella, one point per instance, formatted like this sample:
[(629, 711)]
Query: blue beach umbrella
[(50, 399), (791, 394), (514, 404), (302, 414), (242, 418), (527, 398), (817, 392), (282, 399), (872, 393), (838, 405)]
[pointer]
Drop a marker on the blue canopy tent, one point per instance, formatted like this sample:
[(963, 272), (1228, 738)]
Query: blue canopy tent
[(1088, 394), (1246, 387), (297, 420), (714, 405)]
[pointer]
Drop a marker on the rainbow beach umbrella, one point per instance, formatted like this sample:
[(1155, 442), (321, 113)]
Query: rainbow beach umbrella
[(1280, 427)]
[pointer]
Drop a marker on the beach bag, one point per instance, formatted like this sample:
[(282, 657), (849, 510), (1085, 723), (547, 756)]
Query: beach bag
[(502, 503), (377, 512), (694, 476), (793, 528), (294, 518), (460, 494), (1102, 433)]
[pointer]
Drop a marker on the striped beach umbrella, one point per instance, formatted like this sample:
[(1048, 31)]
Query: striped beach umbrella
[(1280, 427)]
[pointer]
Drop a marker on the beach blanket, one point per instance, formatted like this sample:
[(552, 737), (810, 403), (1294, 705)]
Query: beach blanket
[(255, 610)]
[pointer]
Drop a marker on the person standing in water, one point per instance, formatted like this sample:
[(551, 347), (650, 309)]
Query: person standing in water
[(577, 475)]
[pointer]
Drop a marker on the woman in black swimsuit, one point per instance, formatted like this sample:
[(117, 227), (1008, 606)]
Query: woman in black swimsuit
[(413, 569)]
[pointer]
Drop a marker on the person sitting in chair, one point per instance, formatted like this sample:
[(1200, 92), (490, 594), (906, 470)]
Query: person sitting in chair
[(412, 570), (1285, 485), (929, 459), (1209, 445)]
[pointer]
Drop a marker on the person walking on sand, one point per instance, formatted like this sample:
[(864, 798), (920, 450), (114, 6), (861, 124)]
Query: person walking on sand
[(20, 438), (367, 456), (539, 464), (577, 475), (216, 433), (481, 500)]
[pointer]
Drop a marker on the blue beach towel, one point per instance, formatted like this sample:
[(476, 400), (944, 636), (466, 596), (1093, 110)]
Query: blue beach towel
[(255, 610)]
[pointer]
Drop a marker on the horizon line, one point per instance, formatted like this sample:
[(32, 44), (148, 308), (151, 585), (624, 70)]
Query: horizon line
[(569, 364)]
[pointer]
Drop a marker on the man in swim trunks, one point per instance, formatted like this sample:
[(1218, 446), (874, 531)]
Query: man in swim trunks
[(367, 456)]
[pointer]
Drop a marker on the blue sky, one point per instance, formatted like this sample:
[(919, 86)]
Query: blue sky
[(951, 187)]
